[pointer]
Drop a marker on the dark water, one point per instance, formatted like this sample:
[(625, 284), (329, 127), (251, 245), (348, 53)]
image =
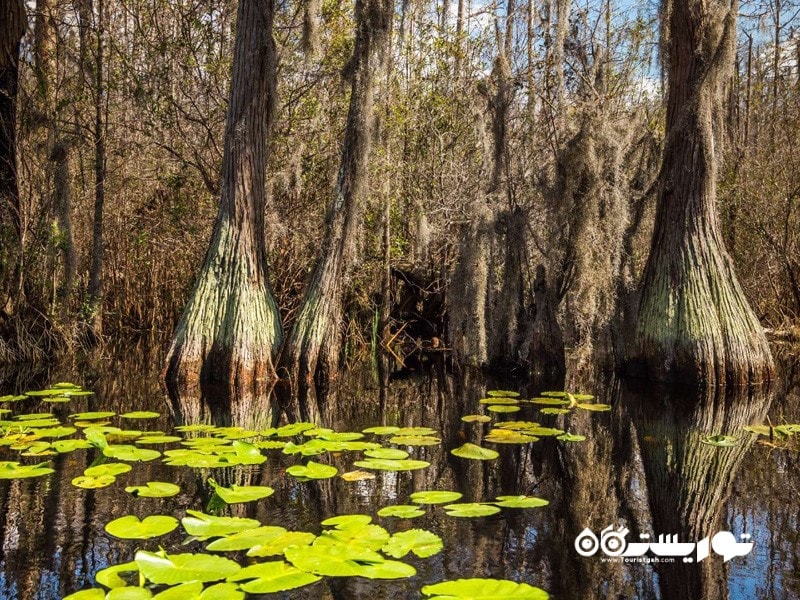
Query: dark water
[(642, 466)]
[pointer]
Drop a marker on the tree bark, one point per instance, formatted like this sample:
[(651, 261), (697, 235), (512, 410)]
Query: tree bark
[(694, 322), (230, 330), (12, 28), (312, 351)]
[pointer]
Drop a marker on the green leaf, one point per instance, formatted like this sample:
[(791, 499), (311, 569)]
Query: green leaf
[(13, 470), (720, 440), (499, 401), (476, 418), (129, 593), (415, 440), (414, 431), (278, 545), (419, 541), (110, 578), (474, 452), (435, 497), (222, 591), (93, 594), (154, 489), (382, 430), (554, 394), (483, 589), (502, 394), (345, 521), (107, 469), (571, 437), (92, 416), (521, 502), (203, 526), (293, 429), (554, 411), (130, 527), (387, 464), (184, 591), (343, 561), (312, 470), (140, 414), (371, 537), (401, 511), (244, 540), (161, 568), (495, 408), (550, 401), (130, 453), (357, 475), (272, 577), (158, 439), (64, 446), (508, 436), (93, 483), (594, 407), (241, 493), (392, 453), (471, 509)]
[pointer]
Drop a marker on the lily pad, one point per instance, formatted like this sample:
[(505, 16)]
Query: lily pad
[(502, 394), (521, 502), (720, 440), (272, 577), (14, 470), (474, 452), (550, 401), (312, 470), (64, 446), (387, 464), (129, 593), (278, 545), (471, 509), (154, 489), (571, 437), (130, 527), (203, 526), (594, 407), (415, 440), (110, 578), (344, 521), (499, 401), (140, 414), (241, 493), (293, 429), (158, 439), (435, 497), (93, 483), (161, 568), (130, 453), (357, 475), (244, 540), (501, 408), (476, 418), (92, 594), (393, 453), (553, 411), (382, 430), (343, 561), (401, 511), (107, 469), (183, 591), (92, 416), (483, 589), (421, 542)]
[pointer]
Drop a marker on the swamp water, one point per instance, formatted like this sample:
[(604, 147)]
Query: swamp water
[(652, 462)]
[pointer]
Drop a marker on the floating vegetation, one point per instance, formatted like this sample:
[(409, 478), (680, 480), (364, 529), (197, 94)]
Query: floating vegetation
[(499, 401), (474, 452), (154, 489), (420, 542), (313, 470), (501, 408), (14, 470), (476, 418), (502, 394), (720, 440), (240, 493), (471, 509), (435, 497), (402, 511), (131, 528), (483, 589), (357, 475), (520, 502), (388, 464)]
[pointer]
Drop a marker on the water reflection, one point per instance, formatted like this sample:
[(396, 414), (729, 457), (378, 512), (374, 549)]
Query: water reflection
[(642, 466)]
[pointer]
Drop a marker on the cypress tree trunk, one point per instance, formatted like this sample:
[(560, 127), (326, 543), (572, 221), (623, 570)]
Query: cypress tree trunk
[(312, 351), (230, 330), (12, 28), (694, 322)]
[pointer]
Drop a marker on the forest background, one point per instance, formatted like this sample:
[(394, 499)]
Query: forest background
[(505, 167)]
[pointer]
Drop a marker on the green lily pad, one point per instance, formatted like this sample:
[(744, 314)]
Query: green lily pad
[(594, 407), (129, 593), (502, 394), (401, 511), (203, 526), (476, 418), (92, 416), (499, 401), (344, 521), (343, 561), (161, 568), (357, 475), (140, 414), (92, 594), (554, 394), (241, 493), (222, 591), (109, 577), (14, 470), (244, 540), (414, 431), (130, 453), (414, 440), (183, 591), (550, 401), (154, 489), (54, 432), (158, 439), (483, 589), (435, 497), (382, 430), (130, 527), (278, 545), (107, 469), (471, 509), (421, 542), (554, 411), (370, 536), (571, 437), (392, 453), (293, 429), (272, 577), (93, 483), (720, 440), (521, 502), (474, 452), (270, 445), (64, 446), (502, 408), (312, 470), (509, 436), (387, 464)]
